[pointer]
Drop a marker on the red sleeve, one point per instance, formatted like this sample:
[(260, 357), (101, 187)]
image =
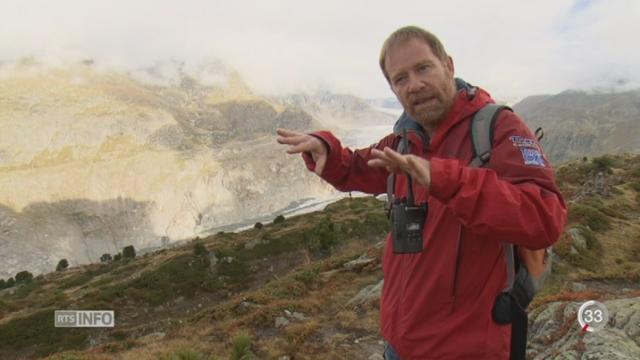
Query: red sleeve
[(514, 199), (347, 169)]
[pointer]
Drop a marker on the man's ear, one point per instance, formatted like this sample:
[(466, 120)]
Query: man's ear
[(449, 65)]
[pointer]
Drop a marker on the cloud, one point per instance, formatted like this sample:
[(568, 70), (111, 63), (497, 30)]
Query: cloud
[(511, 48)]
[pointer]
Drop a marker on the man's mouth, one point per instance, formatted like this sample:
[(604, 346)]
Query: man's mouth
[(423, 100)]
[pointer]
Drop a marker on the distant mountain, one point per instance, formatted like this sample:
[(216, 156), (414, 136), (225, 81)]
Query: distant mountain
[(340, 111), (93, 159), (388, 103), (578, 123)]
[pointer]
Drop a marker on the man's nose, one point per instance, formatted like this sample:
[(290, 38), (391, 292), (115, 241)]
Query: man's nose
[(415, 84)]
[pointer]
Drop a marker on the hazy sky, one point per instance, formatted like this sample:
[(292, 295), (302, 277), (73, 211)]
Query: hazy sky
[(512, 48)]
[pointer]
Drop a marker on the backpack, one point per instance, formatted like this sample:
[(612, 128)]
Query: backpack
[(526, 269)]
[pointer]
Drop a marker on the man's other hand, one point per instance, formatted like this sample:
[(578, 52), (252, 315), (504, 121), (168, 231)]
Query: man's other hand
[(299, 143), (417, 167)]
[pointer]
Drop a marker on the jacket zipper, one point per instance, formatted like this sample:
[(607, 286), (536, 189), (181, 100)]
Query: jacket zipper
[(456, 264)]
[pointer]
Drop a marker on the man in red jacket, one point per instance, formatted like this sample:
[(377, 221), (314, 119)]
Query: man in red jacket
[(437, 303)]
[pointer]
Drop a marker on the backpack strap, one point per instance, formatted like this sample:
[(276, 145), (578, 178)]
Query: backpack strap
[(482, 126)]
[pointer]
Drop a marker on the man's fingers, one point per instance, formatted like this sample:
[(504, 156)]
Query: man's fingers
[(320, 162), (381, 155), (288, 133), (420, 170), (376, 163), (390, 167), (307, 146), (396, 156), (293, 140)]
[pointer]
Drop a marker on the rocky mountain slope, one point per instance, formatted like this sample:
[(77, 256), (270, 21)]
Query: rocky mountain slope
[(307, 287), (581, 124), (93, 159)]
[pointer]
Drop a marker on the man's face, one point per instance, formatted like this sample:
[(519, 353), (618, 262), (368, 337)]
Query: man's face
[(422, 82)]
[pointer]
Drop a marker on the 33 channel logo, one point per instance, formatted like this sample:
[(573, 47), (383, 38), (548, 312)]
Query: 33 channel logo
[(593, 316)]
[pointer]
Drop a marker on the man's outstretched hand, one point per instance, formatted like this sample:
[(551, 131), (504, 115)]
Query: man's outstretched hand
[(299, 143), (393, 161)]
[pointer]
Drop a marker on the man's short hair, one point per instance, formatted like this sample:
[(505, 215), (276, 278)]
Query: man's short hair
[(410, 32)]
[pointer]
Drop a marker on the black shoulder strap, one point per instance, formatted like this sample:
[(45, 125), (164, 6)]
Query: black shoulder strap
[(401, 148)]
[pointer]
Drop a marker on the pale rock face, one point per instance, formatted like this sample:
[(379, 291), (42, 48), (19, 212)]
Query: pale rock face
[(93, 160)]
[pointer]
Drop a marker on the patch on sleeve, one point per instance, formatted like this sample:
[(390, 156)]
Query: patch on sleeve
[(532, 157), (522, 142)]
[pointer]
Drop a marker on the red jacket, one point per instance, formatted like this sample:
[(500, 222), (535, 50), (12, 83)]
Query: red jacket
[(437, 304)]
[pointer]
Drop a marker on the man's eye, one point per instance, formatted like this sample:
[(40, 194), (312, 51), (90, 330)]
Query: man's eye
[(423, 68), (400, 80)]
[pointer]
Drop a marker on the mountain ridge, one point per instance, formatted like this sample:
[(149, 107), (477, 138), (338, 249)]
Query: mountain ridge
[(579, 123)]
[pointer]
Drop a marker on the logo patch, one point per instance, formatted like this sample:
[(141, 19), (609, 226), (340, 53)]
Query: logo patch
[(522, 142), (532, 157)]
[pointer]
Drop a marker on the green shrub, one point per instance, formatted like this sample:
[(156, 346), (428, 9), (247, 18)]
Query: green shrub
[(129, 252), (25, 289), (24, 277), (242, 347), (322, 237), (37, 332), (271, 246), (105, 258), (603, 163), (608, 210), (635, 186), (258, 226), (182, 275), (309, 276), (294, 285), (236, 271), (589, 258), (10, 283), (279, 219), (199, 249), (589, 216), (62, 265)]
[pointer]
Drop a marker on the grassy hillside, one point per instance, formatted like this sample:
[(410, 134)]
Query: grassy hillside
[(219, 286), (600, 247), (304, 287)]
